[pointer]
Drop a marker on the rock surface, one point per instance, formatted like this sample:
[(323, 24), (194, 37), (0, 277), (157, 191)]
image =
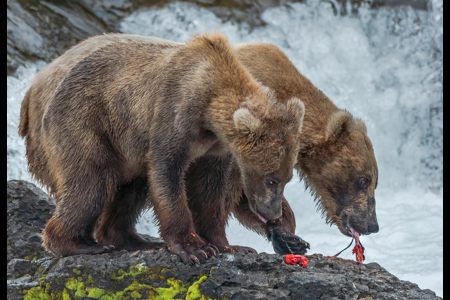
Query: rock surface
[(28, 210), (149, 274), (161, 275), (43, 30)]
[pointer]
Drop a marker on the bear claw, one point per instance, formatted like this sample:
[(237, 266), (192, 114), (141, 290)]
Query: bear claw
[(240, 249), (191, 254)]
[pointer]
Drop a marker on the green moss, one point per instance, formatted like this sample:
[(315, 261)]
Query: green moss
[(136, 295), (76, 271), (34, 258), (81, 291), (84, 286), (40, 292), (42, 277), (90, 280), (176, 287), (65, 295), (194, 291), (145, 272), (35, 293), (95, 293)]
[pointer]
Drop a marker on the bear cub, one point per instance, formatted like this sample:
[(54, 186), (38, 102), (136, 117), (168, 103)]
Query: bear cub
[(113, 125)]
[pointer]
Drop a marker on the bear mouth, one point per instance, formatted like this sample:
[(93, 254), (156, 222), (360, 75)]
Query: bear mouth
[(262, 218), (352, 232), (252, 207)]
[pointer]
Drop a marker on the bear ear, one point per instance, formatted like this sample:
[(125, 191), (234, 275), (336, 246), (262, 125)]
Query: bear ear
[(296, 111), (360, 125), (245, 121), (339, 122)]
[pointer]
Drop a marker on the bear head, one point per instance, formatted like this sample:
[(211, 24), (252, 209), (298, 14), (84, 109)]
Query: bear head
[(342, 172), (266, 143)]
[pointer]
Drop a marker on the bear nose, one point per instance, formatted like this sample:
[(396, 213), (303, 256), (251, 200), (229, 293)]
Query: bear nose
[(372, 229)]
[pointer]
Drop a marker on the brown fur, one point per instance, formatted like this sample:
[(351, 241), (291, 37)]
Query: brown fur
[(335, 152), (119, 114)]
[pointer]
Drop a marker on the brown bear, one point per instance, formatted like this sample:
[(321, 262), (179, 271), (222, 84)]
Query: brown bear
[(119, 118), (336, 161)]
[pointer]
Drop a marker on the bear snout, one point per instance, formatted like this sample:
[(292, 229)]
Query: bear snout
[(373, 228), (270, 211)]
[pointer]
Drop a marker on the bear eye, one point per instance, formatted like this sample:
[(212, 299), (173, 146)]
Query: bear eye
[(364, 182), (272, 182)]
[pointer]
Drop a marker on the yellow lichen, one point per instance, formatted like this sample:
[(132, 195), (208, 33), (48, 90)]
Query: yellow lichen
[(77, 288), (194, 291), (176, 287), (76, 271), (94, 292)]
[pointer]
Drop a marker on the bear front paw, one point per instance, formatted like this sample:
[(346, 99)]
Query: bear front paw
[(194, 253), (237, 249), (285, 242), (289, 243)]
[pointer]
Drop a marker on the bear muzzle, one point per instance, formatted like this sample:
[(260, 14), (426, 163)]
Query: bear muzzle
[(267, 211)]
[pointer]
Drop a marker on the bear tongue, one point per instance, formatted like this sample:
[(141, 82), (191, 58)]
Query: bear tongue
[(262, 218), (354, 234)]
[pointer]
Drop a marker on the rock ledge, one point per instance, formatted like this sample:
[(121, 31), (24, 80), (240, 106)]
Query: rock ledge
[(159, 274)]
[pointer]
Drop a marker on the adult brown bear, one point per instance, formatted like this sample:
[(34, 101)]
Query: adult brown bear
[(120, 115), (336, 161)]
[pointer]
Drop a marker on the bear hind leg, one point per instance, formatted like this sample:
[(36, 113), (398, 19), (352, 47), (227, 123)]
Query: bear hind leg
[(58, 243), (69, 230), (118, 219)]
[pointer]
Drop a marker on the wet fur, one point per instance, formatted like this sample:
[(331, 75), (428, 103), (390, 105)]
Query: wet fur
[(335, 152), (104, 125)]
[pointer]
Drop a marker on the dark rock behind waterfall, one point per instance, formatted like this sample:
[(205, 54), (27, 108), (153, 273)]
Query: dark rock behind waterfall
[(43, 30), (158, 274)]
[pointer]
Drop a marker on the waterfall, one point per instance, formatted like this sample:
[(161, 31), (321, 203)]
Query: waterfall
[(383, 65)]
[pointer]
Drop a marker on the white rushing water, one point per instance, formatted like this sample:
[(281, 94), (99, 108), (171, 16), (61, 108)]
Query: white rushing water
[(384, 66)]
